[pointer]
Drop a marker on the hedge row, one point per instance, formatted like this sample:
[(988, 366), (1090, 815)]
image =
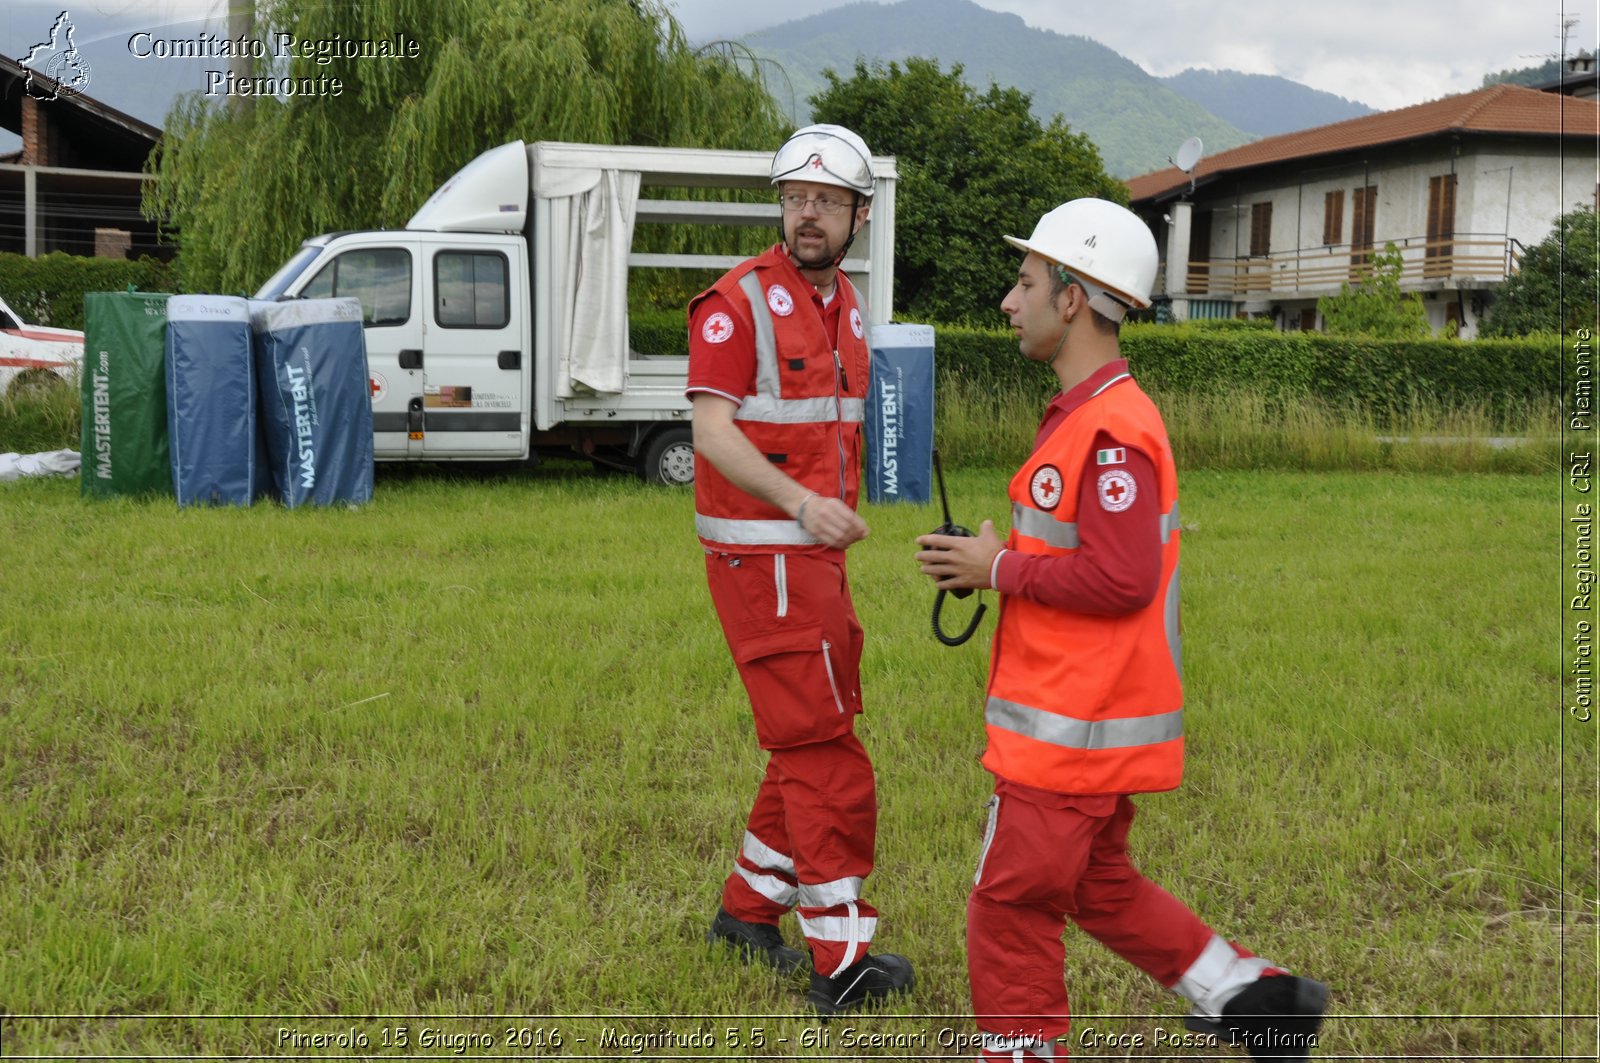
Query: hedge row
[(49, 290), (1376, 374)]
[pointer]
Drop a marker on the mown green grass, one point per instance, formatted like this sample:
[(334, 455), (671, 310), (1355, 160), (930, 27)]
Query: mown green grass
[(477, 750)]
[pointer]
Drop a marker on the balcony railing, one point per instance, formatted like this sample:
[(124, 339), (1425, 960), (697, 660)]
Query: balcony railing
[(1469, 257)]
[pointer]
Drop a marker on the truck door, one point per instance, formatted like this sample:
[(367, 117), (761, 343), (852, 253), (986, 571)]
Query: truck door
[(385, 277), (476, 362)]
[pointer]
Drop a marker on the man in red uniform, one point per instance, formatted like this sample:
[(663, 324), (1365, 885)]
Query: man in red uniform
[(1085, 704), (778, 366)]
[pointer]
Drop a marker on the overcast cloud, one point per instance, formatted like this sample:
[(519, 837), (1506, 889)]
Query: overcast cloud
[(1384, 53)]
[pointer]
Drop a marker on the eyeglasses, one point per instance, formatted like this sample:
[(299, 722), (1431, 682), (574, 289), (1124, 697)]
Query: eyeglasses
[(794, 203)]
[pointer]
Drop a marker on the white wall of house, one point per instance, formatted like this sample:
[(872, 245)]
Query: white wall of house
[(1543, 180)]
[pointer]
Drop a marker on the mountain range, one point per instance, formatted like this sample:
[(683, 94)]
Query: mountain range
[(1136, 119)]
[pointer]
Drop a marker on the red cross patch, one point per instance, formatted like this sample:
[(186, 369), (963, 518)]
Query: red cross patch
[(1117, 490), (718, 328), (1045, 487), (815, 162)]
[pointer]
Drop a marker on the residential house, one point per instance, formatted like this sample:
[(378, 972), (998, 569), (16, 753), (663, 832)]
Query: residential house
[(1462, 186), (76, 184)]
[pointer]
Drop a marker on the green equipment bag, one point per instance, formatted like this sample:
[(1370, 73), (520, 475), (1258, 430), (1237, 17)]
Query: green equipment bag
[(125, 448)]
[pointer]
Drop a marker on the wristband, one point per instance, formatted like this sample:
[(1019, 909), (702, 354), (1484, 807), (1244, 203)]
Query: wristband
[(800, 514)]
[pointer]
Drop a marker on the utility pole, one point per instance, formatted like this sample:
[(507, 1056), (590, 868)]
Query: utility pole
[(242, 27)]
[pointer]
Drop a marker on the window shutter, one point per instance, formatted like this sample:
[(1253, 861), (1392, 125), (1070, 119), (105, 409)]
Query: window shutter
[(1261, 229), (1333, 217), (1362, 229), (1438, 257)]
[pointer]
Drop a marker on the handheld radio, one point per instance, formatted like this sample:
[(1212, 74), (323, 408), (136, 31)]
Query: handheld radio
[(950, 527)]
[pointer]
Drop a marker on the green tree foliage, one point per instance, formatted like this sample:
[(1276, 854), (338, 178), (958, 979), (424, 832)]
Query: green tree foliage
[(243, 186), (1557, 286), (1375, 306), (972, 167)]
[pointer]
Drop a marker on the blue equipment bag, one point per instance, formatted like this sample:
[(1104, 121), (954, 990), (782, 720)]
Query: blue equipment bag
[(316, 404), (900, 414), (211, 400)]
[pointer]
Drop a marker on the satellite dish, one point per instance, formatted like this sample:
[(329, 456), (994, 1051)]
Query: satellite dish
[(1189, 155)]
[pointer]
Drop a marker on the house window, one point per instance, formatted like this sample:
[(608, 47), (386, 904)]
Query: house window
[(1260, 229), (1438, 257), (1362, 228), (1333, 217)]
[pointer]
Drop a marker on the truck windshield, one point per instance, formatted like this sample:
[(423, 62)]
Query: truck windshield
[(286, 276)]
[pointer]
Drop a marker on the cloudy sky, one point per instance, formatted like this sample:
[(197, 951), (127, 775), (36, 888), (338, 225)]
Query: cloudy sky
[(1384, 53)]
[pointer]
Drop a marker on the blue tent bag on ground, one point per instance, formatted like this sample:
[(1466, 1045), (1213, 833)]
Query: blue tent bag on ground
[(900, 414), (211, 400), (316, 404)]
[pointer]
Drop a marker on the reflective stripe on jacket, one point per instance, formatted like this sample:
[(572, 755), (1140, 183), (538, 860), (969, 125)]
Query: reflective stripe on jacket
[(805, 414), (1080, 703)]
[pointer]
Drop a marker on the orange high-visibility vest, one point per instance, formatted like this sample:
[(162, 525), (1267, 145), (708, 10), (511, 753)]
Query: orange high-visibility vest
[(807, 410), (1080, 703)]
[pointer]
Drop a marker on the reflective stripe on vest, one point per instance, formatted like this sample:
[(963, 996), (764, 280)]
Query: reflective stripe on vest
[(769, 409), (753, 532), (1071, 733)]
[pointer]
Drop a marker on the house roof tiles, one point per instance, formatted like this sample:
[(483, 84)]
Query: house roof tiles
[(1508, 109)]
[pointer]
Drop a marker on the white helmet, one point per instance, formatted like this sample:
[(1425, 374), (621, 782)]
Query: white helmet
[(827, 155), (1104, 246)]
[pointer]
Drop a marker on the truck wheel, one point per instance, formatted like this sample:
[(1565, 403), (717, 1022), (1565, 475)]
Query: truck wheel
[(668, 458)]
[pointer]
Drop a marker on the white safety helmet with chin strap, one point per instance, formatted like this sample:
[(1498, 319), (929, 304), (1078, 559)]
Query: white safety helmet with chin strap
[(1102, 246), (825, 155)]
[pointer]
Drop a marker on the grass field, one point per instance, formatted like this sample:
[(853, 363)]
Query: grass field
[(472, 761)]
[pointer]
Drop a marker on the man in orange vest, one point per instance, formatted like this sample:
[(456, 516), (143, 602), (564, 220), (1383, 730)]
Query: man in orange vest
[(778, 366), (1085, 704)]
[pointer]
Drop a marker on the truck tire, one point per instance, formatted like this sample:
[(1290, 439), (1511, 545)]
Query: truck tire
[(668, 458)]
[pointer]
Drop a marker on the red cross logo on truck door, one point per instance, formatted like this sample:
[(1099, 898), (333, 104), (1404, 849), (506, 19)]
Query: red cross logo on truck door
[(1117, 490)]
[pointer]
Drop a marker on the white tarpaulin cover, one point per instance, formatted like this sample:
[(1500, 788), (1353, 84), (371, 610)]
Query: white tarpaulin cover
[(594, 233), (49, 463)]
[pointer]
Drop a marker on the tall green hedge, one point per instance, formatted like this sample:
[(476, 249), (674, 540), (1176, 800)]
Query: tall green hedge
[(48, 290), (1380, 375)]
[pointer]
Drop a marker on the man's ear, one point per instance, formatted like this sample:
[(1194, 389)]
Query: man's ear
[(1073, 302)]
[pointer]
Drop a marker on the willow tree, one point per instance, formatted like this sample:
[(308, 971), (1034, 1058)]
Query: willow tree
[(244, 185)]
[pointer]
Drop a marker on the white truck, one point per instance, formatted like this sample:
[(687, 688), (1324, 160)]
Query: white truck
[(34, 357), (496, 321)]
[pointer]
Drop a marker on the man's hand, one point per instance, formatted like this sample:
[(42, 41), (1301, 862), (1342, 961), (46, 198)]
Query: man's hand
[(957, 562), (832, 522)]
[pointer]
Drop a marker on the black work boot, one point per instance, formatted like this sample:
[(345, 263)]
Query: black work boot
[(755, 942), (866, 982), (1275, 1018)]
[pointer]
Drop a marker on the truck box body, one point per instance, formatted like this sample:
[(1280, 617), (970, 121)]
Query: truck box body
[(497, 321)]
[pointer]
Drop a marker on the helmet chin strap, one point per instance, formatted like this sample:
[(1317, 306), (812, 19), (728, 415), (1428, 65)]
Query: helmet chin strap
[(1062, 342)]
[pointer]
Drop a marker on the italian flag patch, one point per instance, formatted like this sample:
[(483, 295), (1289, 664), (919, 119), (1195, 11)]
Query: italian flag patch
[(1114, 456)]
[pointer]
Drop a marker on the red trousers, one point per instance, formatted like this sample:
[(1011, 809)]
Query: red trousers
[(1048, 861), (810, 838)]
